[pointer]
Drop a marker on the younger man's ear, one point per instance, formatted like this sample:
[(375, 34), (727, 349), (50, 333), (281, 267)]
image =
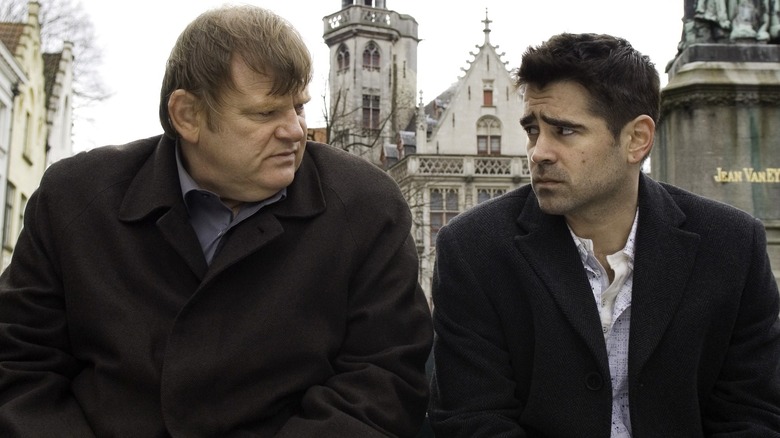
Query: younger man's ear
[(183, 112), (642, 133)]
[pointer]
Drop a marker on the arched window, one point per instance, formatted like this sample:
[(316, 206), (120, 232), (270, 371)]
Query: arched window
[(371, 57), (488, 136), (342, 58), (485, 193)]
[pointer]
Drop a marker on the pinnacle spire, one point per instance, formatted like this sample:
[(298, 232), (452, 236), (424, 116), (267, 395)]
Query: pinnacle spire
[(487, 22)]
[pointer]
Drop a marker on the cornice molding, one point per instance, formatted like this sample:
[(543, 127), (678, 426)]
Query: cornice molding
[(705, 95)]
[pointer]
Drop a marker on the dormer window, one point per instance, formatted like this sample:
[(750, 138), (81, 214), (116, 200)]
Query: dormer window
[(487, 93)]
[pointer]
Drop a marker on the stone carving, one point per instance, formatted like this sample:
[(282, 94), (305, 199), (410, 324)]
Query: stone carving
[(730, 22), (774, 21), (749, 20)]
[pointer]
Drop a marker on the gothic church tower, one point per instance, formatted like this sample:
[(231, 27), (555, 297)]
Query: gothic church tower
[(373, 77)]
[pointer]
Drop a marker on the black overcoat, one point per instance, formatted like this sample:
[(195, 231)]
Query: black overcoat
[(519, 350), (309, 321)]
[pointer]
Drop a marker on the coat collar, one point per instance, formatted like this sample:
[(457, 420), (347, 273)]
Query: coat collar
[(156, 186), (155, 193), (664, 258)]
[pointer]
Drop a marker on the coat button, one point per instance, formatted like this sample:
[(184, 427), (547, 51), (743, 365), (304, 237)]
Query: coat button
[(594, 382)]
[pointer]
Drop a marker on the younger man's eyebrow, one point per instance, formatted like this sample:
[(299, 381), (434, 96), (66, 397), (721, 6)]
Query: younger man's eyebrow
[(561, 122), (530, 118)]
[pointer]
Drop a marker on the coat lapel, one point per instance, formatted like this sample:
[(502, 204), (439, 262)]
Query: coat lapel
[(304, 199), (155, 189), (546, 243), (663, 261)]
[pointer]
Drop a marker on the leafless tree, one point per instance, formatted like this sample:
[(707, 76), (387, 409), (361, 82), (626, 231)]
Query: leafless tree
[(60, 21), (344, 126), (344, 130)]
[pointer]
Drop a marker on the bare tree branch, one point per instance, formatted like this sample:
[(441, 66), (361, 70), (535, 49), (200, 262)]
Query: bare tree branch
[(60, 21)]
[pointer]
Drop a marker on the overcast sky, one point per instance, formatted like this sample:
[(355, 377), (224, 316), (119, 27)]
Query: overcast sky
[(136, 38)]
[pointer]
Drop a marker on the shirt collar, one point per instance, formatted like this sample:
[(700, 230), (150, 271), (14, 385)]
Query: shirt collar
[(188, 184), (185, 180), (585, 246)]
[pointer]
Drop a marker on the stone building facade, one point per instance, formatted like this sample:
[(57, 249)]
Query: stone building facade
[(40, 118), (461, 148)]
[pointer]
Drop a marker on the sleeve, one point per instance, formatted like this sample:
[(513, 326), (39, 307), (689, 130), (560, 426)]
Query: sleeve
[(36, 366), (472, 391), (379, 387), (745, 401)]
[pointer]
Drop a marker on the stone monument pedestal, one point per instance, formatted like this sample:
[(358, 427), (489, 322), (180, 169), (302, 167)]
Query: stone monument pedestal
[(719, 132)]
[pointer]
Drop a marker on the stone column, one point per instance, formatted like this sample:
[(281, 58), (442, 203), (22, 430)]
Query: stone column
[(719, 132)]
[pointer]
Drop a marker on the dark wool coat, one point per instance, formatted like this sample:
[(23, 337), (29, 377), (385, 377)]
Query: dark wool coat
[(309, 322), (519, 350)]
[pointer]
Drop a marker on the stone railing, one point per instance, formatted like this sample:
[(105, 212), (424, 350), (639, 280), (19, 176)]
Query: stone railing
[(469, 166), (404, 25)]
